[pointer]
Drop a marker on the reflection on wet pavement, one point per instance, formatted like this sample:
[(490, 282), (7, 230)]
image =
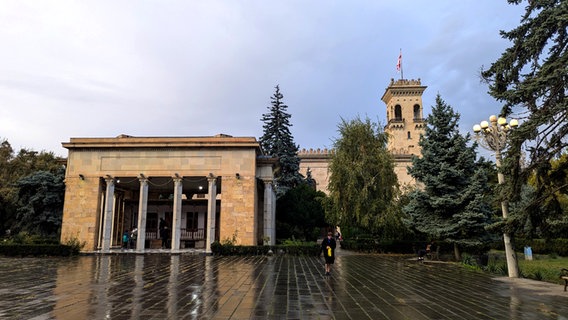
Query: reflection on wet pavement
[(191, 286)]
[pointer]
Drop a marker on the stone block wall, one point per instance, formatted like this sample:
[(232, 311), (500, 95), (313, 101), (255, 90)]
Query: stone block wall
[(238, 209), (81, 210)]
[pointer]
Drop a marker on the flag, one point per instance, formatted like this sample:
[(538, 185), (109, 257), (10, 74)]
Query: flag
[(399, 62)]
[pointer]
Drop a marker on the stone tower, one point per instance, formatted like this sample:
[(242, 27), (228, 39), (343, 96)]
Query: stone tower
[(405, 123)]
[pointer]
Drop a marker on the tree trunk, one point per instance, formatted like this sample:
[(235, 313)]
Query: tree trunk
[(457, 253)]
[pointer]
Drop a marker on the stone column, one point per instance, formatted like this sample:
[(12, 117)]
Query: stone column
[(269, 214), (211, 212), (176, 219), (142, 213), (273, 215), (109, 212)]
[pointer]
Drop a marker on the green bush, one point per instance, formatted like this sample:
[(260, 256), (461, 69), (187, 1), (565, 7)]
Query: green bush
[(223, 249), (28, 238), (22, 250), (371, 245), (540, 246), (497, 266)]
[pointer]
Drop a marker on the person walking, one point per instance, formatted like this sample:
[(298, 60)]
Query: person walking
[(328, 248)]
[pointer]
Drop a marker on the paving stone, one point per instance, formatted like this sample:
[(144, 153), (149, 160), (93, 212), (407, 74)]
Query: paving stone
[(193, 286)]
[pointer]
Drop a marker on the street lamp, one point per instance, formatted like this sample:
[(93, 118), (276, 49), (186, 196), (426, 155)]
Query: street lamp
[(492, 136)]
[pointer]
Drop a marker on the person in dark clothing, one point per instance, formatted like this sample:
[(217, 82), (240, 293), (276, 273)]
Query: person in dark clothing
[(133, 237), (328, 248), (165, 235), (162, 229), (425, 252)]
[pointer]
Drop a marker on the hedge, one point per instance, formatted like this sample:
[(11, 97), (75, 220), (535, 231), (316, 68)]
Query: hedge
[(234, 250), (542, 246), (371, 245), (19, 249)]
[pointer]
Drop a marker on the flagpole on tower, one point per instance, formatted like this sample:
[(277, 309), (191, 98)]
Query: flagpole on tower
[(399, 65)]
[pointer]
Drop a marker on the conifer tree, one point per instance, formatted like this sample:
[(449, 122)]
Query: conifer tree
[(450, 203), (277, 141), (531, 79), (41, 197)]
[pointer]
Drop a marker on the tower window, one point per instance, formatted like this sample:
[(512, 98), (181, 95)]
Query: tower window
[(417, 112), (408, 133), (398, 112)]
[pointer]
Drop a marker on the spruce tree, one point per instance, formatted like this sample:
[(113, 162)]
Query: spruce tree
[(449, 203), (531, 79), (277, 141)]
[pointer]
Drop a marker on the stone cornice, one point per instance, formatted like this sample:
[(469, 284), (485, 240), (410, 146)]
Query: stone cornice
[(124, 141), (403, 87), (309, 155)]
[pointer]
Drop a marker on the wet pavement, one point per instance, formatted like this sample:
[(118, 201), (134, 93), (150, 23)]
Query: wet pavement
[(194, 286)]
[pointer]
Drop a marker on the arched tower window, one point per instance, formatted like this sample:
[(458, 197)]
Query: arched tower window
[(417, 112), (398, 112)]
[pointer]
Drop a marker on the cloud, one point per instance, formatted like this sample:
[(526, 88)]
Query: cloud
[(183, 68)]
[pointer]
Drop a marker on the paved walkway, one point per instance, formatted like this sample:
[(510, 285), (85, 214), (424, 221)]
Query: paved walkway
[(194, 286)]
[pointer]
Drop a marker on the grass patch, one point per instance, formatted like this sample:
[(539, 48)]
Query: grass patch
[(542, 267)]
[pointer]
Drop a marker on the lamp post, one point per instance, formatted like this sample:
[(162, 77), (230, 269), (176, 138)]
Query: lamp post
[(492, 136)]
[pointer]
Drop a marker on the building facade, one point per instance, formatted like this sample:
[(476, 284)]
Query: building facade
[(198, 189), (404, 125), (181, 192)]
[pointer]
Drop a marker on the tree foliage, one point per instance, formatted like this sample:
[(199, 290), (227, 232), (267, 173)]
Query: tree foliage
[(451, 200), (300, 213), (362, 184), (531, 80), (543, 215), (277, 141), (13, 167), (40, 208)]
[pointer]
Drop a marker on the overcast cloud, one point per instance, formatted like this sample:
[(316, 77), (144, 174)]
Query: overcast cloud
[(199, 68)]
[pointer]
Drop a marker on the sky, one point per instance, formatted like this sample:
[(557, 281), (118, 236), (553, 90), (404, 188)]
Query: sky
[(200, 68)]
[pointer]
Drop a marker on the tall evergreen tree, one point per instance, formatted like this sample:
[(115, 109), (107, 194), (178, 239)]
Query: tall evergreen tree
[(362, 184), (277, 141), (531, 79), (450, 204)]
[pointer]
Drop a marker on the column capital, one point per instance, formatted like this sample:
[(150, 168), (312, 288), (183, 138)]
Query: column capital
[(109, 179), (211, 177), (268, 181), (176, 177)]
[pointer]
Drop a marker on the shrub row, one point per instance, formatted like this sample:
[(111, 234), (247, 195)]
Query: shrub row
[(538, 246), (232, 250), (372, 245), (19, 249)]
